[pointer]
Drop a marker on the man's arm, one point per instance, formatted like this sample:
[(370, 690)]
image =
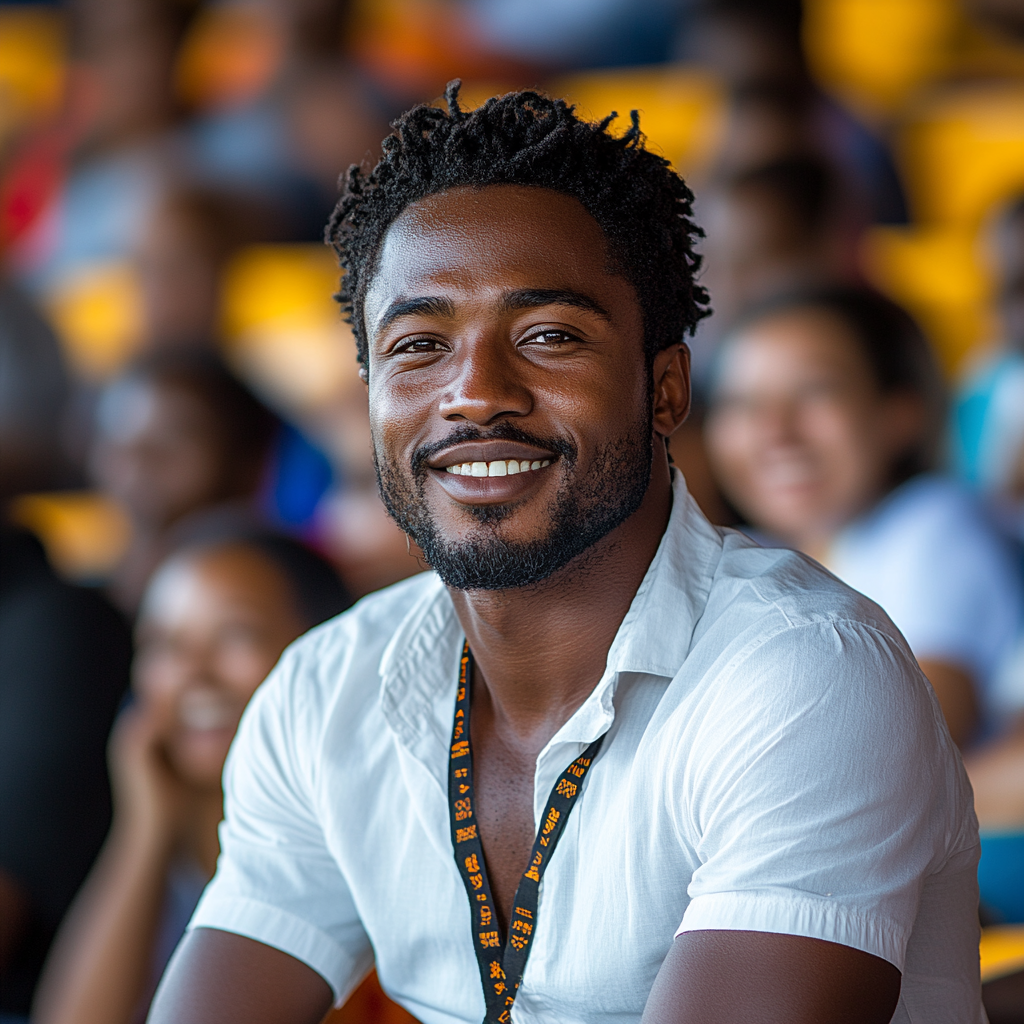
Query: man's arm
[(218, 977), (719, 977)]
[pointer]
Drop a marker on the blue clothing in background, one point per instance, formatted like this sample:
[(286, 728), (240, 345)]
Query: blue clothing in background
[(1001, 877), (300, 476), (987, 428)]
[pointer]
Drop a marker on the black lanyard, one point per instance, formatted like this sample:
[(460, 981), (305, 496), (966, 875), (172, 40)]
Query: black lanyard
[(501, 964)]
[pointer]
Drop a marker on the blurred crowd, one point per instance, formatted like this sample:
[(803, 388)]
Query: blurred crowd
[(186, 478)]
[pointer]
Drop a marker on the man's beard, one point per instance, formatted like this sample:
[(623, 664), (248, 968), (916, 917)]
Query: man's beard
[(581, 514)]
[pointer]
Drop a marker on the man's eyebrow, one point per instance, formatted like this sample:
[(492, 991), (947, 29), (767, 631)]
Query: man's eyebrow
[(532, 298), (427, 305)]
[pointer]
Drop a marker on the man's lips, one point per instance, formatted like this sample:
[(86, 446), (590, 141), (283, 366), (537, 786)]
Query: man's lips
[(491, 453), (481, 472)]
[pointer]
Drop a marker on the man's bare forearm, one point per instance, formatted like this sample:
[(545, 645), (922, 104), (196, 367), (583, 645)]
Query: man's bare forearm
[(716, 977), (218, 977)]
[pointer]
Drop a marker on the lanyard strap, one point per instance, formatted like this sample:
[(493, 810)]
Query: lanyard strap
[(501, 964)]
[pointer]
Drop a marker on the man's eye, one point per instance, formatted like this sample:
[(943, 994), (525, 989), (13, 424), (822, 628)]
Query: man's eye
[(550, 338), (419, 345)]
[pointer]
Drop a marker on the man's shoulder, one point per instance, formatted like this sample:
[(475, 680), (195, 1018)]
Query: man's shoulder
[(769, 590)]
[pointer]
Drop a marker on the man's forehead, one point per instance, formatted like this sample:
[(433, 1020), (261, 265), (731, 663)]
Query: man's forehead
[(490, 239)]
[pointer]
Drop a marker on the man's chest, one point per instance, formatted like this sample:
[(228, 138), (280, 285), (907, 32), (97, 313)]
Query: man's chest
[(614, 892)]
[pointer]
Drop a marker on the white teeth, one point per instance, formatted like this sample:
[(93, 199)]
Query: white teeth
[(497, 468)]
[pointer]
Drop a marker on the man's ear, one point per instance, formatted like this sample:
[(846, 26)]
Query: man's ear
[(671, 388)]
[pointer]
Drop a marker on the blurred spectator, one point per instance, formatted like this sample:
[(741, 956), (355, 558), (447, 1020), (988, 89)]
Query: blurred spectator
[(214, 622), (988, 418), (823, 425), (124, 110), (63, 669), (184, 447), (769, 229), (362, 540), (180, 254), (774, 107)]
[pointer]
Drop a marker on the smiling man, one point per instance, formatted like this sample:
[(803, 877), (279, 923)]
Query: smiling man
[(607, 763)]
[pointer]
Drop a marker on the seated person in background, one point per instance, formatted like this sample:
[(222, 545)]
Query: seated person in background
[(773, 228), (823, 422), (184, 447), (774, 108), (214, 621), (755, 811), (987, 439), (180, 254), (770, 228), (64, 654)]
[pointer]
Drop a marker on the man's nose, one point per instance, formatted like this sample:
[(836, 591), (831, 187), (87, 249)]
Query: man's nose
[(489, 382)]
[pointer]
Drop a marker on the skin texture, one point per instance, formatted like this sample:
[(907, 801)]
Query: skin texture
[(213, 625), (803, 442), (555, 370)]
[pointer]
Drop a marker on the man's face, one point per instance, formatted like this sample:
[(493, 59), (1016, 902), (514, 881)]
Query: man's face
[(510, 400)]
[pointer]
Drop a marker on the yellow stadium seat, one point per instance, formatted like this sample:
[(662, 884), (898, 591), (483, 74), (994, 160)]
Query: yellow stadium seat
[(97, 311), (31, 64), (936, 272), (964, 153), (875, 54), (1002, 951), (84, 533), (681, 108), (283, 331)]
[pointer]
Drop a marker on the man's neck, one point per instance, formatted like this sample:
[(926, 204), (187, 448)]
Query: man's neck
[(541, 650)]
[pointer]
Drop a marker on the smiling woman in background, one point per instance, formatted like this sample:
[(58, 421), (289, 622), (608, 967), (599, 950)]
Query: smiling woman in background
[(825, 412), (214, 621)]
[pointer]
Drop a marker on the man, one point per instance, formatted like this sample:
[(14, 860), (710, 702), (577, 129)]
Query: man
[(774, 825)]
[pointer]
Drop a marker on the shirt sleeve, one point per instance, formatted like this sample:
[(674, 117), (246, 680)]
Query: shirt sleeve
[(276, 879), (821, 791)]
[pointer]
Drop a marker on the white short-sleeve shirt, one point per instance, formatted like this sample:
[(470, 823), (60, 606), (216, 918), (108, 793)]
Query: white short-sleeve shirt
[(774, 761)]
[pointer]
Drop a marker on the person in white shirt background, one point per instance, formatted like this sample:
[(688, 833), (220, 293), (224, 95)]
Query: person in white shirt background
[(758, 811), (824, 431)]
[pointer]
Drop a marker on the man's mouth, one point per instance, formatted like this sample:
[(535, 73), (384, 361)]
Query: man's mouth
[(499, 467)]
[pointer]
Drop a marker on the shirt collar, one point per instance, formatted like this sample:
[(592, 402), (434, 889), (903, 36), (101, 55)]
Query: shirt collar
[(420, 664)]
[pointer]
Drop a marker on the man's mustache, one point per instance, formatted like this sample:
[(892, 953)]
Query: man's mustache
[(503, 431)]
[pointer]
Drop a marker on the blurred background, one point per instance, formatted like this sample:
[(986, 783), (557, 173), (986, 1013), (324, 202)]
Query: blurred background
[(174, 372)]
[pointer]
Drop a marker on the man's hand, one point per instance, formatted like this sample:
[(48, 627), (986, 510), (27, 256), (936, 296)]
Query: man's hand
[(217, 977), (727, 977)]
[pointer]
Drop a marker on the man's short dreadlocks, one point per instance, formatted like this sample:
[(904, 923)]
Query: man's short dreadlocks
[(526, 138)]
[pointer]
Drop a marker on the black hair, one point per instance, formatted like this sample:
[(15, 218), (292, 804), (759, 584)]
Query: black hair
[(806, 186), (898, 355), (246, 427), (525, 138), (316, 587)]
